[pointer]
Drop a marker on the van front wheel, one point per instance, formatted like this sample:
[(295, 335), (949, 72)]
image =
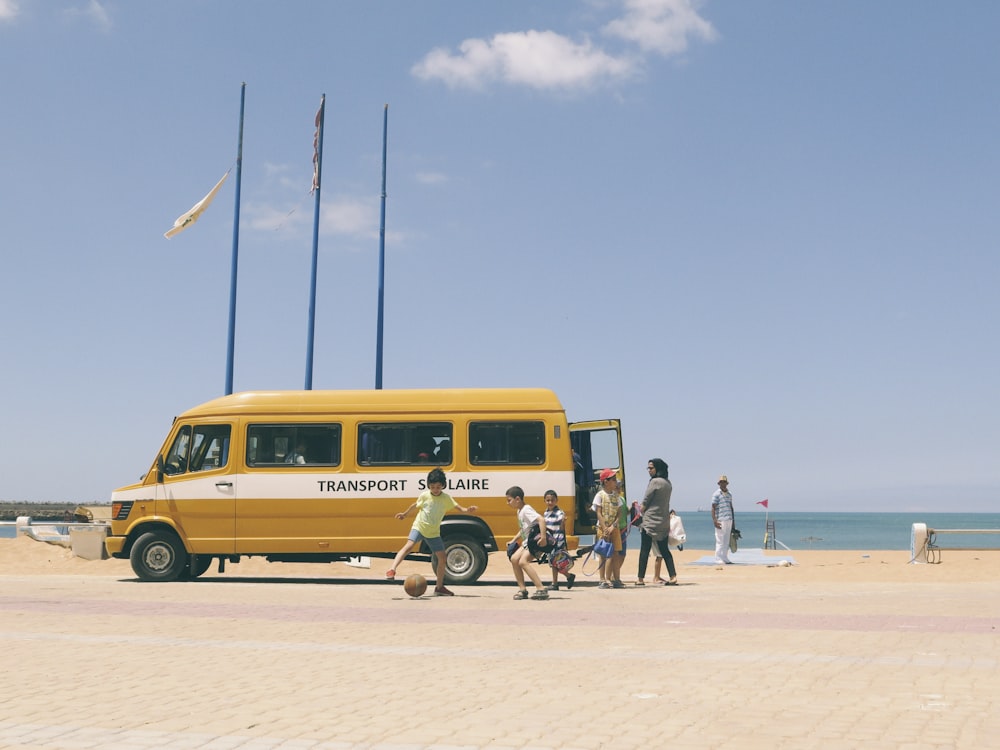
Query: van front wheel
[(158, 556), (465, 559), (200, 565)]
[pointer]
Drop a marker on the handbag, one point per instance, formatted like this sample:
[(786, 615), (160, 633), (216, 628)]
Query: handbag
[(734, 538), (604, 548), (561, 561), (677, 535)]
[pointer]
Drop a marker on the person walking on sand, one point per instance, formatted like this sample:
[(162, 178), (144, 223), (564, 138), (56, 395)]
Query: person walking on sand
[(655, 526), (431, 507), (528, 545), (723, 517)]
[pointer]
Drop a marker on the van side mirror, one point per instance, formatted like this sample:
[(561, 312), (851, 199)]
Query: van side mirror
[(159, 469)]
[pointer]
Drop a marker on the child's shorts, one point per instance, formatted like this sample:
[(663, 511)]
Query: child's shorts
[(436, 543), (615, 537)]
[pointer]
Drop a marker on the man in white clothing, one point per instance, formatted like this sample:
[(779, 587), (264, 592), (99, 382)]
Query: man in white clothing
[(723, 518)]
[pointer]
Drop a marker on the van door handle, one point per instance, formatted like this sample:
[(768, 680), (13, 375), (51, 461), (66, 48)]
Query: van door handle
[(223, 484)]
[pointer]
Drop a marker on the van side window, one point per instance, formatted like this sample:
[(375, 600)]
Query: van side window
[(200, 448), (292, 445), (404, 444), (507, 443)]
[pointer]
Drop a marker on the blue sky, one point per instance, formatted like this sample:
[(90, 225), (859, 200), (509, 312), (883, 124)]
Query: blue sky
[(763, 234)]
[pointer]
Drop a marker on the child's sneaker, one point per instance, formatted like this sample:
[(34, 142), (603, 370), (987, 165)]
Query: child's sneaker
[(570, 579), (604, 585)]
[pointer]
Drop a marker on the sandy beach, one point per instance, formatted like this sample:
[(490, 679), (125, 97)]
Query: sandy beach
[(842, 649)]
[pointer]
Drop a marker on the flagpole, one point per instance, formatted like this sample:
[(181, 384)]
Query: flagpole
[(231, 339), (381, 258), (764, 502), (317, 179)]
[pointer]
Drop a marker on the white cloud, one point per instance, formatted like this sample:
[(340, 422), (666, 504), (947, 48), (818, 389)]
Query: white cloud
[(431, 178), (93, 11), (357, 219), (538, 59), (343, 216), (661, 26), (265, 218), (283, 176), (546, 60), (9, 10), (350, 216)]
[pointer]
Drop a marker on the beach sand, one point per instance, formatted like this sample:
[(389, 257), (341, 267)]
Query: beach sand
[(843, 649)]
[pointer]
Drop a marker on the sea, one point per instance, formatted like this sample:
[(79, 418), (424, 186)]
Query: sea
[(820, 531), (841, 531)]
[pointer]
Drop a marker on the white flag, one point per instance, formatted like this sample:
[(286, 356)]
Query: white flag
[(190, 216)]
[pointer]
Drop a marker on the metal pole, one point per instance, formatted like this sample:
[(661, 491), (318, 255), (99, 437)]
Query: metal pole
[(381, 258), (317, 179), (231, 339)]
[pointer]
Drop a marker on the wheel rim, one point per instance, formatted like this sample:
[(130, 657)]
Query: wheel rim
[(459, 560), (159, 557)]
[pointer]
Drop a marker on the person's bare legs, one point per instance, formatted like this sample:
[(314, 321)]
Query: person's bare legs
[(400, 556), (616, 566), (518, 570), (522, 560), (440, 571)]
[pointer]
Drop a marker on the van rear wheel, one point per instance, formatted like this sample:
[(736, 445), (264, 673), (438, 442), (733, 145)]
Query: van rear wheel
[(465, 559), (158, 556)]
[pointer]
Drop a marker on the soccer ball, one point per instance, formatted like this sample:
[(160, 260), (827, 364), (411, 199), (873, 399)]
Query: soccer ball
[(415, 585)]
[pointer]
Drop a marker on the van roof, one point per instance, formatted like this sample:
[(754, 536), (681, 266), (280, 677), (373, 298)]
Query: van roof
[(442, 400)]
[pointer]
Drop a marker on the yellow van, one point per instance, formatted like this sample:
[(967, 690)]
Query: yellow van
[(317, 476)]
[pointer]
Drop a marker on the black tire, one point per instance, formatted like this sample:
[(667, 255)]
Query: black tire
[(158, 556), (465, 559), (200, 567)]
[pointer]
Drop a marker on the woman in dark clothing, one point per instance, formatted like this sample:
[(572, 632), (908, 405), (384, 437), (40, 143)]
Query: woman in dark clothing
[(656, 520)]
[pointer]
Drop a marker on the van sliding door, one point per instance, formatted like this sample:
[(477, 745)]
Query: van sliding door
[(596, 445)]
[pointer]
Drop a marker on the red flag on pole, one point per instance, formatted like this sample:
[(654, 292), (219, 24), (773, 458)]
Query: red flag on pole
[(762, 502)]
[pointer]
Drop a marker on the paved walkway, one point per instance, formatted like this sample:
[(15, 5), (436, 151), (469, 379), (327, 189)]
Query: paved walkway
[(318, 664)]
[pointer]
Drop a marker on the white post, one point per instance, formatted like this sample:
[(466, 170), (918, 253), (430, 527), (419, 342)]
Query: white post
[(918, 543)]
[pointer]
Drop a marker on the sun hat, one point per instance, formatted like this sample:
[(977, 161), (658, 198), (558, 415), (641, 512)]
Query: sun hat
[(723, 478), (608, 474)]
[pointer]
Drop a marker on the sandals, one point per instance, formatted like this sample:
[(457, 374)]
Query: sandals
[(640, 582), (538, 595)]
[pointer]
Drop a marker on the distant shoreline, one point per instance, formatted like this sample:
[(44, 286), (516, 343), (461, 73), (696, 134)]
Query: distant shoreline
[(60, 512)]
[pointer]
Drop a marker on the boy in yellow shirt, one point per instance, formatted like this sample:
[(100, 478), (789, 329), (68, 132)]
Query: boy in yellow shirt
[(431, 507)]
